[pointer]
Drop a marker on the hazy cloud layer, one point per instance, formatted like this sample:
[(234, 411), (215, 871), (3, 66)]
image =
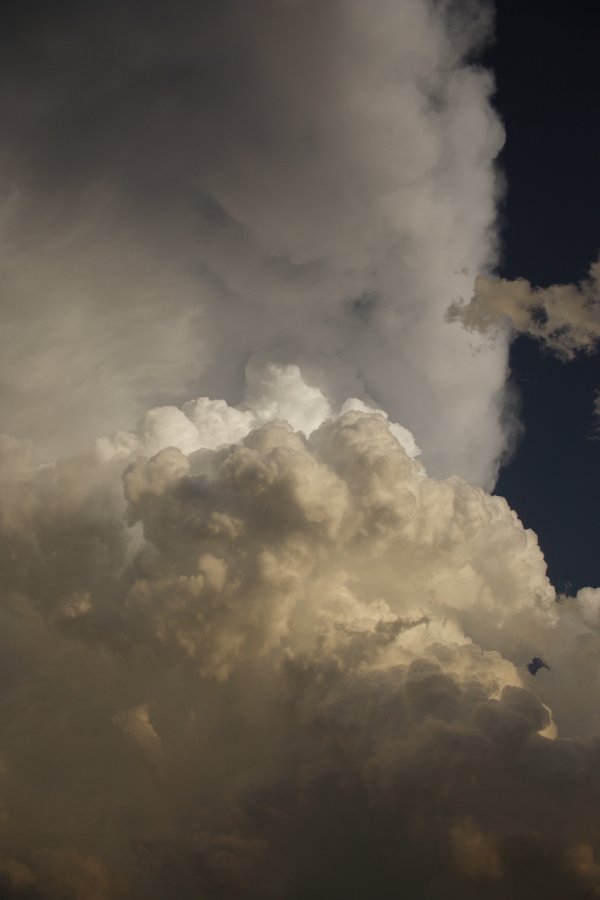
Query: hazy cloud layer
[(187, 188), (293, 666), (563, 317)]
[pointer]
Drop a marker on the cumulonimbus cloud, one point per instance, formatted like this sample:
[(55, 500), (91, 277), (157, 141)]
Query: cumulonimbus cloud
[(288, 666), (251, 647), (308, 182)]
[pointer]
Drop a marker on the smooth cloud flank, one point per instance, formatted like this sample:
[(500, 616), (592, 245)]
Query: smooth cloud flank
[(563, 317), (290, 666), (310, 182)]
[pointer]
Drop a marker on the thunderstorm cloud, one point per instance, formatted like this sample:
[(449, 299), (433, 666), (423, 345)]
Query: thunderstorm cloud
[(289, 665), (264, 633), (189, 186)]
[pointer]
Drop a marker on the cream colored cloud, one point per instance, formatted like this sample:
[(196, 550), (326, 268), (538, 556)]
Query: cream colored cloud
[(290, 663), (564, 317), (476, 853)]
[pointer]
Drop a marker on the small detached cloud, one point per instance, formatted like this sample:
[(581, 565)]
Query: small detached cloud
[(565, 318)]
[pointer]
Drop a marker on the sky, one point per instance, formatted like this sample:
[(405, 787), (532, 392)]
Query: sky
[(299, 450), (550, 235)]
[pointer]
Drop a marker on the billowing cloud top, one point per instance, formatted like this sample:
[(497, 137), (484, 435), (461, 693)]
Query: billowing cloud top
[(250, 648), (310, 182), (289, 666)]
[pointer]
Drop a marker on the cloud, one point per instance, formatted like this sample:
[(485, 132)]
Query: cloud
[(262, 646), (135, 724), (273, 392), (565, 318), (288, 665), (297, 182)]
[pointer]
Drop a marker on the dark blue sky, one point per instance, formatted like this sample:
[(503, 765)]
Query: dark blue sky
[(548, 95)]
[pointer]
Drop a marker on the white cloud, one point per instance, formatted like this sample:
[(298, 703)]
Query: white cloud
[(220, 199), (273, 392)]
